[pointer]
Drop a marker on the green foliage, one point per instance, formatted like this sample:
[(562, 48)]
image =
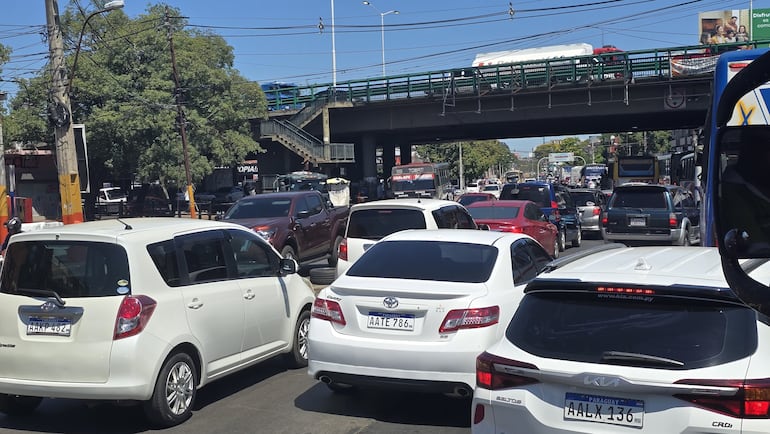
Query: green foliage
[(479, 157), (124, 91)]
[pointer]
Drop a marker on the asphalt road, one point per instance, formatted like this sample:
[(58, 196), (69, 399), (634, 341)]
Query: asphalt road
[(268, 398)]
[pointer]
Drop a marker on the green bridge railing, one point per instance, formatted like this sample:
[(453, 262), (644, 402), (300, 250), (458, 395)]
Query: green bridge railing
[(628, 66)]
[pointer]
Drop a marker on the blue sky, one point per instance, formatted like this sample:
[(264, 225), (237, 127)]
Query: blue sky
[(280, 40)]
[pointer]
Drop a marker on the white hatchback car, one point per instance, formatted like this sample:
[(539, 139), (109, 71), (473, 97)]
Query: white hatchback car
[(147, 309), (369, 222), (637, 340), (415, 310)]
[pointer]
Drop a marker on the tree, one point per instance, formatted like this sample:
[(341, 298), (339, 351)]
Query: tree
[(123, 90), (479, 157)]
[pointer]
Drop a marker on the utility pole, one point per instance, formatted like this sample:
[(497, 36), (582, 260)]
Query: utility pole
[(61, 115), (181, 119), (3, 184)]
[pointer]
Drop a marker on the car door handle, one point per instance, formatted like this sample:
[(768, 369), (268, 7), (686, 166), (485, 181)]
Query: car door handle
[(195, 304), (249, 295)]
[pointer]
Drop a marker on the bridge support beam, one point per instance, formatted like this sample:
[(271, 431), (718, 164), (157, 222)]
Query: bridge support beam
[(369, 156), (406, 153), (388, 159)]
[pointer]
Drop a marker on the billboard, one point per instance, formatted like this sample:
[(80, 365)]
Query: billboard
[(726, 26), (760, 23)]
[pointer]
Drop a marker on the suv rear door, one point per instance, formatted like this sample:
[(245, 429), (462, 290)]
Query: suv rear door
[(643, 209)]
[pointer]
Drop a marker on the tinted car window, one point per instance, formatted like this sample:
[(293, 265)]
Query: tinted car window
[(583, 326), (163, 255), (253, 257), (536, 193), (639, 198), (259, 208), (582, 198), (494, 212), (70, 268), (204, 256), (453, 217), (426, 260), (508, 192), (377, 223)]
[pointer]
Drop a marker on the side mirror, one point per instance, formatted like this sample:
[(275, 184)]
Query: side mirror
[(483, 226), (287, 266)]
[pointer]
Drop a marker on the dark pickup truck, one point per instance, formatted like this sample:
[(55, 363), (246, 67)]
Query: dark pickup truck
[(299, 224)]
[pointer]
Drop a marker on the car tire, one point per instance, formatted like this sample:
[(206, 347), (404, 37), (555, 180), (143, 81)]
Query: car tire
[(297, 358), (175, 390), (685, 241), (322, 276), (556, 248), (16, 405), (289, 253), (334, 255), (578, 239), (562, 240)]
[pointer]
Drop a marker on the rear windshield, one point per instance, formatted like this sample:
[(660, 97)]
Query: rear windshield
[(427, 260), (70, 268), (639, 198), (536, 193), (494, 212), (583, 327), (373, 224), (582, 198), (467, 200)]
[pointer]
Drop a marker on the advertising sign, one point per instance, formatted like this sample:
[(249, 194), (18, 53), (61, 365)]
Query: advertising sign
[(727, 26), (760, 23)]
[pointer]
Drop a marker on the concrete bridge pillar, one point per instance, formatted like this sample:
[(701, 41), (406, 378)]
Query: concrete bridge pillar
[(388, 159), (369, 156), (406, 153)]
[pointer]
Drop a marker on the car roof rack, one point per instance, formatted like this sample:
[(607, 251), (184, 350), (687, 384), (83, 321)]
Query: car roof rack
[(558, 263)]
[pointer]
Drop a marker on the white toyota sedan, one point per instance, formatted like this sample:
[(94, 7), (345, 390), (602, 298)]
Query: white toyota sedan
[(416, 308)]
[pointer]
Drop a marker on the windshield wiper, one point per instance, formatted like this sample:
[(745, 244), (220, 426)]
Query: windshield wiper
[(43, 292), (637, 357)]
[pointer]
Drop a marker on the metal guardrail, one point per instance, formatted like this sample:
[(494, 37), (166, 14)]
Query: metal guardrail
[(626, 66)]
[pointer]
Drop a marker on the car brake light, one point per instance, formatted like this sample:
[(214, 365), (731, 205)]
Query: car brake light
[(327, 310), (494, 372), (604, 220), (672, 221), (470, 318), (625, 290), (751, 399), (597, 211), (508, 228), (343, 252), (554, 205), (133, 315)]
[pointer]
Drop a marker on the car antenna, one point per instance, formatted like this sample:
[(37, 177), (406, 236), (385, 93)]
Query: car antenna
[(127, 226)]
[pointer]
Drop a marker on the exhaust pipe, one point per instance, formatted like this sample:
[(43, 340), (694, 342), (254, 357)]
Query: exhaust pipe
[(462, 392), (325, 379)]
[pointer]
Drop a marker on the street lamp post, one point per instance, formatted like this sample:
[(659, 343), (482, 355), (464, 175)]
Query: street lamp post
[(334, 52), (61, 113), (382, 30)]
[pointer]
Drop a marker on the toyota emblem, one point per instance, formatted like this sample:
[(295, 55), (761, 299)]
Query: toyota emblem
[(390, 302), (48, 306)]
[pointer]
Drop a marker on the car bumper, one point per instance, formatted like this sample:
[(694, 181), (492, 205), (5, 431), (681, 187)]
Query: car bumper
[(591, 224), (398, 363), (673, 236), (134, 364)]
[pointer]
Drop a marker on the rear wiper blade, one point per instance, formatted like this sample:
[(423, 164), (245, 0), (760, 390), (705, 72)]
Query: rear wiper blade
[(43, 292), (637, 357)]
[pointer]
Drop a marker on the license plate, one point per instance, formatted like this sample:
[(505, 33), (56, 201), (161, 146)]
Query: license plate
[(390, 321), (49, 326), (604, 409), (637, 221)]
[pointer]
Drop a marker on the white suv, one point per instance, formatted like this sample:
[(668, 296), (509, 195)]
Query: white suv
[(371, 221), (643, 340), (147, 309)]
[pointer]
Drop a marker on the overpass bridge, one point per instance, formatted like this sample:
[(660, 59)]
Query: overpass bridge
[(339, 128)]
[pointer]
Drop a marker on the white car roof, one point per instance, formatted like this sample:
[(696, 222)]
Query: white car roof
[(142, 229), (407, 203), (453, 235), (699, 266)]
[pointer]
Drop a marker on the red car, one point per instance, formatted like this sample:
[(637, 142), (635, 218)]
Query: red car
[(469, 198), (522, 216)]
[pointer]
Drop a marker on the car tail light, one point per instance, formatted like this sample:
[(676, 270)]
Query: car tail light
[(509, 228), (494, 372), (343, 253), (750, 401), (327, 310), (554, 205), (597, 211), (604, 220), (672, 221), (133, 315), (470, 318)]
